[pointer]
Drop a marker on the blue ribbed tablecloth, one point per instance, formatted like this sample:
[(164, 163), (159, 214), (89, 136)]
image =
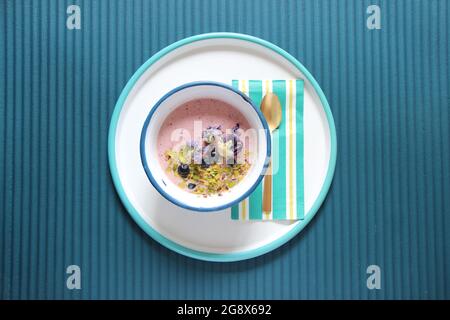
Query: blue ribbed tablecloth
[(389, 204)]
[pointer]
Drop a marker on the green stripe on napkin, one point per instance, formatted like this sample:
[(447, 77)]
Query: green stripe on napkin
[(255, 199), (299, 150), (279, 153), (287, 153)]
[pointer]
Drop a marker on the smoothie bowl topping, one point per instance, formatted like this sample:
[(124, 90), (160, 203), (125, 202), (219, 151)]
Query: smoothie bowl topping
[(211, 165)]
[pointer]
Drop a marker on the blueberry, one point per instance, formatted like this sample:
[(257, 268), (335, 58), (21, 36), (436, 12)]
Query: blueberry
[(183, 170), (210, 155), (204, 164), (191, 186)]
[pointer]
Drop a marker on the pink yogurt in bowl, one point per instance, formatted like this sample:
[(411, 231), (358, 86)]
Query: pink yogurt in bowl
[(205, 146)]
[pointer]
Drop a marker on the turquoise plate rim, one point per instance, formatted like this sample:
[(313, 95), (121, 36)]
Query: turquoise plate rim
[(207, 256)]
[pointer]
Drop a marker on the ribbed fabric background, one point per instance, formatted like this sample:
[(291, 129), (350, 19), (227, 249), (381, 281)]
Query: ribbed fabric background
[(389, 204)]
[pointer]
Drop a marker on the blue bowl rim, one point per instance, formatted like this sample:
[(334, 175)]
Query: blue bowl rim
[(144, 156)]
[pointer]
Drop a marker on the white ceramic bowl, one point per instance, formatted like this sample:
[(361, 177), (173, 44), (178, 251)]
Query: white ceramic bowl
[(149, 154)]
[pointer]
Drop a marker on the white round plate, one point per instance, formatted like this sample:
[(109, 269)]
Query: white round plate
[(218, 57)]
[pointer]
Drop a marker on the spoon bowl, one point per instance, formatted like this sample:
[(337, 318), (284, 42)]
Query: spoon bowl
[(271, 109)]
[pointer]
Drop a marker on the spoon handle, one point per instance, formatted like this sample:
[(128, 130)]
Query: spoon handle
[(267, 196)]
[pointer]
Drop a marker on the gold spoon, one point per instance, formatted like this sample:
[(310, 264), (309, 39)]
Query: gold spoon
[(271, 109)]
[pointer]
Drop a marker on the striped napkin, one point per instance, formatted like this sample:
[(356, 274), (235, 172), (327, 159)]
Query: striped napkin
[(287, 153)]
